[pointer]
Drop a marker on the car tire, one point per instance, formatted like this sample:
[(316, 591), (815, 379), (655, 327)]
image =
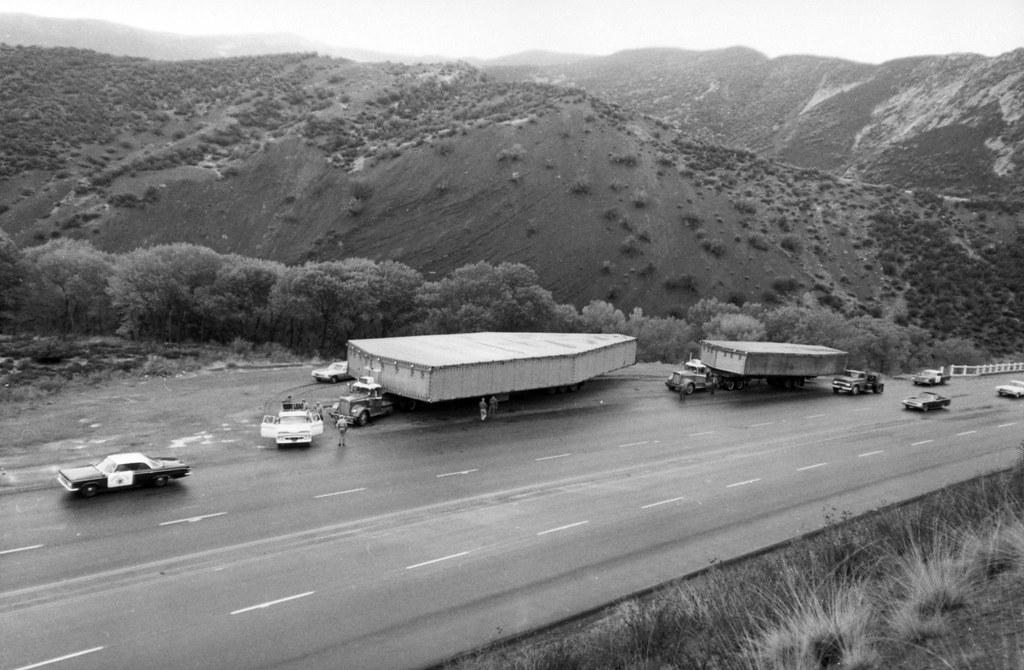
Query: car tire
[(160, 481), (855, 390), (89, 490), (924, 408), (879, 388)]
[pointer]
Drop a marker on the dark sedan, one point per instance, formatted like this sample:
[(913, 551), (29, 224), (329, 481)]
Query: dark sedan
[(926, 401)]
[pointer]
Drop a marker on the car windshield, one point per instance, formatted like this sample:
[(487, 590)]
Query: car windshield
[(293, 419), (107, 465)]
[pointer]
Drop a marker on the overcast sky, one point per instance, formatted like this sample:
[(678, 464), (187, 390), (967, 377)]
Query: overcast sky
[(869, 31)]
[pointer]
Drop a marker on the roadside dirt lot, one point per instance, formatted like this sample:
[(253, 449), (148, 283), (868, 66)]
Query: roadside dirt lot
[(210, 416)]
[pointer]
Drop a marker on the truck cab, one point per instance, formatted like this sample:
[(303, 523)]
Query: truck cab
[(693, 376), (856, 382), (365, 400)]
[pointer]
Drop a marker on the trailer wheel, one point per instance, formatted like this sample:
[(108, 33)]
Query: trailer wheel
[(730, 385)]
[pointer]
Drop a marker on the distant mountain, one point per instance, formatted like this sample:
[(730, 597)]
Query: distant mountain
[(121, 40), (296, 158), (535, 58), (954, 123)]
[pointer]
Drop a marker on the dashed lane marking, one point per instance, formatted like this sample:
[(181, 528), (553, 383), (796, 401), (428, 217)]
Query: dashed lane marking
[(706, 432), (1007, 425), (759, 425), (14, 551), (340, 493), (966, 432), (870, 453), (815, 416), (456, 474), (918, 444), (663, 502), (550, 458), (811, 467), (743, 483), (60, 658), (271, 603), (436, 560), (561, 528), (193, 519), (638, 444)]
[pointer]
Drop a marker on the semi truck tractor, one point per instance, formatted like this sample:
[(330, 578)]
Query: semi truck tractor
[(735, 364)]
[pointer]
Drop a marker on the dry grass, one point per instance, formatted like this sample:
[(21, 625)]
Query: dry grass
[(832, 630)]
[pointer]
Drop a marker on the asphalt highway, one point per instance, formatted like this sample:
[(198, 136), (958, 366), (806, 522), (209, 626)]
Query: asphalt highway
[(428, 535)]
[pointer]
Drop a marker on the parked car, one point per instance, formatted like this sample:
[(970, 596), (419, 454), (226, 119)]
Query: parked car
[(333, 373), (1013, 389), (930, 377), (120, 471), (925, 401)]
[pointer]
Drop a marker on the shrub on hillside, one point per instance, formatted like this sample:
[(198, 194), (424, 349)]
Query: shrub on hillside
[(714, 246), (580, 185)]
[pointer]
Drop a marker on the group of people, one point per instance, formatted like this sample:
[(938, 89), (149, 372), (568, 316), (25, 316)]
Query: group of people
[(488, 407)]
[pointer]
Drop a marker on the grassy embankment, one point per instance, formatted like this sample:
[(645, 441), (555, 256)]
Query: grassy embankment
[(936, 583)]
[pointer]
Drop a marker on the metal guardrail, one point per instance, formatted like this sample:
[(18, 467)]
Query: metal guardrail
[(990, 369)]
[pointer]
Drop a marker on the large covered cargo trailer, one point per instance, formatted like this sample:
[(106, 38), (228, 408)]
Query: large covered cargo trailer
[(735, 364), (434, 368)]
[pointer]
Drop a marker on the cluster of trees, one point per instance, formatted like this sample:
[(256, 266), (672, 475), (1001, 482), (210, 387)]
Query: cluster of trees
[(184, 292)]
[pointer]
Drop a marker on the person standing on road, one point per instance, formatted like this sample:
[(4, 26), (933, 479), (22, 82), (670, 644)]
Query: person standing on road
[(483, 409), (492, 406), (342, 427)]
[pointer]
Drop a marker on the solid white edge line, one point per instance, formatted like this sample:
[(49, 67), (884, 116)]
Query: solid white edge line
[(743, 483), (870, 453), (811, 467), (567, 527), (436, 560), (59, 659), (339, 493), (14, 551), (918, 444), (273, 602), (663, 502), (193, 519), (460, 472), (548, 458)]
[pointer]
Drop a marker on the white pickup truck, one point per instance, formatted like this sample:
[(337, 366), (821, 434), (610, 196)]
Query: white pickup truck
[(294, 424)]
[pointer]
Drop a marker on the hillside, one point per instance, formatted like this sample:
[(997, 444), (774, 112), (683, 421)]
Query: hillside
[(953, 123), (298, 157)]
